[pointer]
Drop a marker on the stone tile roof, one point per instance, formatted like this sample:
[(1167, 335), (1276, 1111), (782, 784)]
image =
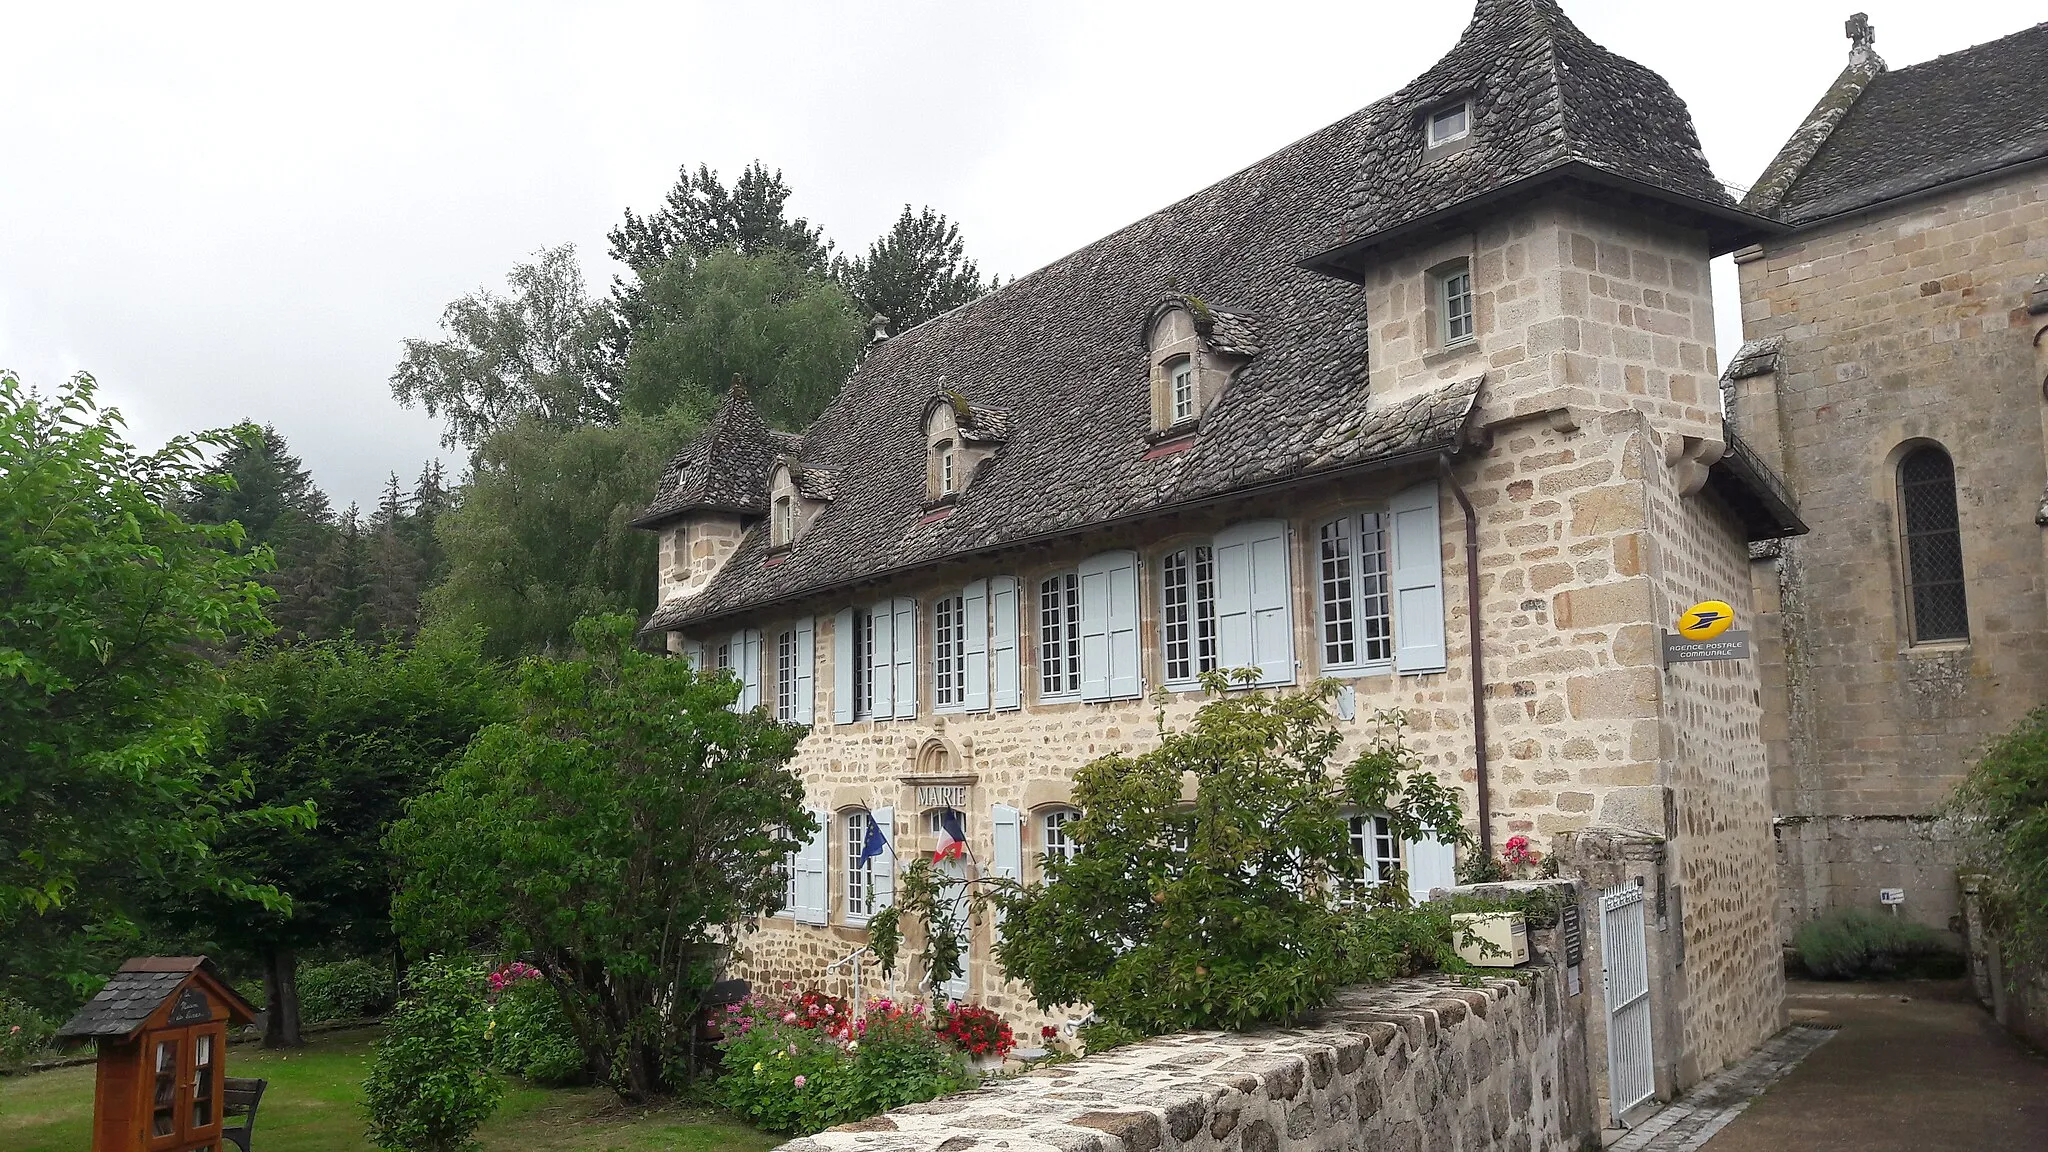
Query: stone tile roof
[(1906, 131), (137, 990), (1547, 103), (726, 468), (1060, 354)]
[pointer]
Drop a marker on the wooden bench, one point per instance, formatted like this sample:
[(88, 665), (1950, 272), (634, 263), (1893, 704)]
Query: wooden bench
[(239, 1097)]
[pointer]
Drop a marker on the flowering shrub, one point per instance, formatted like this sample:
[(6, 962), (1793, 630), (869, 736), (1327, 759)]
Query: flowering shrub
[(530, 1036), (1517, 853), (976, 1030), (24, 1032), (804, 1066)]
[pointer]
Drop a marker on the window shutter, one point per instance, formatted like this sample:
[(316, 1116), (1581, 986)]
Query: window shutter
[(882, 667), (810, 872), (806, 671), (1418, 581), (738, 644), (1254, 595), (1233, 601), (1431, 864), (885, 864), (842, 667), (1109, 627), (974, 621), (903, 653), (750, 670), (1004, 670), (1009, 847)]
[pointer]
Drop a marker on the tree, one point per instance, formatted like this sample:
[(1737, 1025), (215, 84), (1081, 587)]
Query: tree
[(700, 216), (259, 483), (356, 730), (1227, 911), (791, 334), (110, 605), (337, 589), (539, 352), (915, 272), (613, 836), (541, 534), (396, 568)]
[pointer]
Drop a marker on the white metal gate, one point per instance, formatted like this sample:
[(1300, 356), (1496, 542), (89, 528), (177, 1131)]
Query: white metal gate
[(1625, 977)]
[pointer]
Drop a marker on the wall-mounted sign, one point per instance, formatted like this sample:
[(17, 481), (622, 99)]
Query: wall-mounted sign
[(1726, 646), (1706, 620), (1891, 895), (941, 796)]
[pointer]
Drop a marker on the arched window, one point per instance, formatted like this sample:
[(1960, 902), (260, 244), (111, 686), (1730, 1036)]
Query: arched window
[(1933, 546), (783, 531)]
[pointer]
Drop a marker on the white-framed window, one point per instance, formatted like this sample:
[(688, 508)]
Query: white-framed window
[(949, 652), (724, 660), (1187, 612), (1357, 597), (1182, 383), (1053, 829), (1454, 303), (783, 530), (946, 465), (860, 873), (785, 675), (1059, 636), (1448, 124), (861, 667), (1375, 847)]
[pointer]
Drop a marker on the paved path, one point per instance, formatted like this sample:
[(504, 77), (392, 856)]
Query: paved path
[(1914, 1068), (1714, 1104)]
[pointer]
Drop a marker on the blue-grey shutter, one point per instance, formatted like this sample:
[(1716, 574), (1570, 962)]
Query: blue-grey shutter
[(1418, 563), (974, 643), (1109, 627), (750, 669), (1008, 864), (885, 864), (881, 660), (810, 872), (843, 657), (1005, 671), (806, 671), (1431, 864), (1254, 595), (903, 655), (738, 668)]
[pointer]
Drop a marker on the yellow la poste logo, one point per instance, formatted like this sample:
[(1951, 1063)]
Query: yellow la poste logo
[(1706, 620)]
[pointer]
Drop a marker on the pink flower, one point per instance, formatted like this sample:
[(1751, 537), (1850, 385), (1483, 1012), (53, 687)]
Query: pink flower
[(799, 1080), (789, 1017)]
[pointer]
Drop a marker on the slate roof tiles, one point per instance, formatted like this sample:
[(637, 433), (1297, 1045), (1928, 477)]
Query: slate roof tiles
[(1909, 130)]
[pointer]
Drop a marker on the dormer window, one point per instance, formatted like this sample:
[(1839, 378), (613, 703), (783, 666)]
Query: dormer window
[(947, 462), (1450, 124), (959, 437), (783, 528), (1182, 372)]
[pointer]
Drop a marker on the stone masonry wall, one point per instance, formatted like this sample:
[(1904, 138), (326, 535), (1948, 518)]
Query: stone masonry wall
[(1417, 1064), (1900, 325)]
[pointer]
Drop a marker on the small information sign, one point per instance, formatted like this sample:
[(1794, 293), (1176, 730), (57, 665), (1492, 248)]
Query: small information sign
[(1891, 895), (1573, 935), (1726, 646)]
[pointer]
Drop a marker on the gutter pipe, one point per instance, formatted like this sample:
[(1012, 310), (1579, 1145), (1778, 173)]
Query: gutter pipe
[(1472, 642)]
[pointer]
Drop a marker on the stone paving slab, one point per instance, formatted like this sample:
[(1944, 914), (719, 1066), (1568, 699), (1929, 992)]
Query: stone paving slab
[(1695, 1118)]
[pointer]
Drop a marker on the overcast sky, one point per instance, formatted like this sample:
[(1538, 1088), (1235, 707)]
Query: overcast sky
[(239, 211)]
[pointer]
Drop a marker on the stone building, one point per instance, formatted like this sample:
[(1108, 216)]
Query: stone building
[(1422, 402), (1894, 378)]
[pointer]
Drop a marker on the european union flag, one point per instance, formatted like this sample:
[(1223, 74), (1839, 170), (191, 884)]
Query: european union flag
[(876, 843)]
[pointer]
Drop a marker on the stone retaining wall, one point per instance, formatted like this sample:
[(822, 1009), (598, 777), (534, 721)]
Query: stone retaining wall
[(1428, 1063)]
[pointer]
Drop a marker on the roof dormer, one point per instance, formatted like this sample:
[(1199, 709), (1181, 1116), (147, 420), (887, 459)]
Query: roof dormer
[(958, 437), (1192, 349), (796, 495)]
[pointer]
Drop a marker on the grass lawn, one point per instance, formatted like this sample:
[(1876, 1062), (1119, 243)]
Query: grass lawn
[(311, 1106)]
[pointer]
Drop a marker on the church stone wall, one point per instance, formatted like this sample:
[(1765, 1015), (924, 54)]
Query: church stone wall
[(1900, 324)]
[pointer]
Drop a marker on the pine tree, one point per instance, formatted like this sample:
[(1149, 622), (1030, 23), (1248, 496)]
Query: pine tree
[(259, 484), (392, 606), (915, 272), (338, 590)]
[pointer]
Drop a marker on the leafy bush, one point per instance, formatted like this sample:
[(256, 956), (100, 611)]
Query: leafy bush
[(1855, 942), (530, 1036), (1227, 912), (24, 1032), (430, 1084), (2004, 802), (345, 990), (784, 1076), (1103, 1035), (975, 1030)]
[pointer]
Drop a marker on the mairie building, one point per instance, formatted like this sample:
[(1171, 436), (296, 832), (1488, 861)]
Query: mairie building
[(1425, 403)]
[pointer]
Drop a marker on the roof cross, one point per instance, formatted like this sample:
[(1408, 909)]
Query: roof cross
[(1861, 35)]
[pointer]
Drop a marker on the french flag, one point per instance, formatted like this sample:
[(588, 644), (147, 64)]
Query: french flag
[(952, 837)]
